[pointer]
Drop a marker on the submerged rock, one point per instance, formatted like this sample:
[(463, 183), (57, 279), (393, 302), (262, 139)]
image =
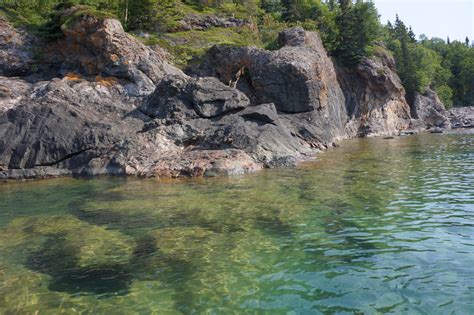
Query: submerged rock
[(52, 243), (183, 243)]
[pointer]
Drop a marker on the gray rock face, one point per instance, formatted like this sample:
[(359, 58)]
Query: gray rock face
[(462, 117), (120, 108), (211, 98), (375, 97), (430, 111), (212, 116), (182, 97), (53, 126), (295, 36), (16, 50), (297, 78)]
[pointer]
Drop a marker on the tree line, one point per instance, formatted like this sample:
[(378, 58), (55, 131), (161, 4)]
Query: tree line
[(350, 31)]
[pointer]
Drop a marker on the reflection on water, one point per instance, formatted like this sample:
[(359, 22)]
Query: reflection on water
[(375, 226)]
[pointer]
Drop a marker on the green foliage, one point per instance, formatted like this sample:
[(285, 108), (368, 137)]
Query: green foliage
[(186, 46), (269, 27), (359, 28), (349, 32), (433, 63)]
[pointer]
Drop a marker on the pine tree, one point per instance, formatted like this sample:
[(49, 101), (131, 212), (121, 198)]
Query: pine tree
[(141, 14), (359, 27), (412, 35)]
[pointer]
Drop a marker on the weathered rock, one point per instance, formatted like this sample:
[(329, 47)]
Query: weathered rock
[(297, 78), (430, 111), (462, 117), (375, 97), (68, 126), (263, 114), (256, 130), (100, 47), (249, 108), (180, 97), (211, 98), (204, 21), (16, 50), (61, 123), (295, 36), (11, 92)]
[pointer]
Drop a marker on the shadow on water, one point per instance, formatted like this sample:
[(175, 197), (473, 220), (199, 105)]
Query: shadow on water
[(61, 262), (273, 226)]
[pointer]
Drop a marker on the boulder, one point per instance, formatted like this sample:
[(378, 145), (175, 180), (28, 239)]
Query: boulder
[(205, 114), (181, 97), (211, 98), (295, 36), (430, 110), (462, 117), (297, 78)]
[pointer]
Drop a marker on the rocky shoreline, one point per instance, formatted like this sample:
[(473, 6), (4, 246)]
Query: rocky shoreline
[(97, 101)]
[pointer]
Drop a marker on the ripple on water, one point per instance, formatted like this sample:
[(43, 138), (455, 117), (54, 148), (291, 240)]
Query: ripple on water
[(375, 226)]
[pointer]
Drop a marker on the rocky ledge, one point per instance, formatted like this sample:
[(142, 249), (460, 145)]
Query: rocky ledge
[(97, 101)]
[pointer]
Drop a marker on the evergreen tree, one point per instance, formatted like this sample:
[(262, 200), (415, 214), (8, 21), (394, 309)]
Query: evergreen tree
[(141, 14), (359, 28), (411, 35)]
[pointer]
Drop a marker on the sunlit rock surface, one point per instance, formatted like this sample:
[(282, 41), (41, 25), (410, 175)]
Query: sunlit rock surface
[(98, 101)]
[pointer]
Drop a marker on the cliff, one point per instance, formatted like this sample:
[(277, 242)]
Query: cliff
[(97, 101)]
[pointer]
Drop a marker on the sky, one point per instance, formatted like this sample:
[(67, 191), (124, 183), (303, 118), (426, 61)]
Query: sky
[(434, 18)]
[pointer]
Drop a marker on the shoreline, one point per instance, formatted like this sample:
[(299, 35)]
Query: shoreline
[(62, 173)]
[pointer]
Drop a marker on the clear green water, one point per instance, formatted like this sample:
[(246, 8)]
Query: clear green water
[(376, 226)]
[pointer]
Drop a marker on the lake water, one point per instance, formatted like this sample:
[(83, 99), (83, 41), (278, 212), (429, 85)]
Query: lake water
[(375, 226)]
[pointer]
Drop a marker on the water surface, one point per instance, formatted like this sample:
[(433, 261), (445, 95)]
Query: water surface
[(376, 226)]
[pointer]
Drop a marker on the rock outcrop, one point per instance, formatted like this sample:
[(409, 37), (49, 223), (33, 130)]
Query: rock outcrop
[(97, 47), (177, 96), (205, 114), (16, 50), (375, 96), (297, 78), (301, 78), (461, 117), (429, 111), (204, 21), (103, 103)]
